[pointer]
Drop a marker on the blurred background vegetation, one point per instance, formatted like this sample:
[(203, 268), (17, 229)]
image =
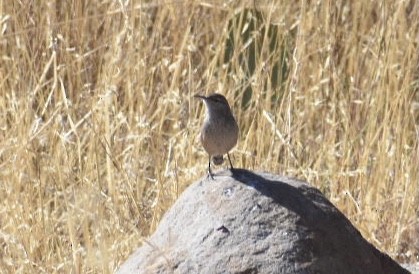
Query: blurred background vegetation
[(98, 125)]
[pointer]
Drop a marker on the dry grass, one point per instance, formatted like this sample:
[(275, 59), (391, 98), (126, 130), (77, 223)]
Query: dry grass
[(98, 125)]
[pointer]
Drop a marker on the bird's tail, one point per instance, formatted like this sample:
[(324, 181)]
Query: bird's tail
[(217, 160)]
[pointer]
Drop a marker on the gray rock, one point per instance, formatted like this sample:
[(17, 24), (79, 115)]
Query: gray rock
[(413, 268), (244, 222)]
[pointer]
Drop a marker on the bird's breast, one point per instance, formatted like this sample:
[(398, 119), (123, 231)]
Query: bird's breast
[(219, 136)]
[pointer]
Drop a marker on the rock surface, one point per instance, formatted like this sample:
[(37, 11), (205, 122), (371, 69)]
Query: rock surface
[(245, 222)]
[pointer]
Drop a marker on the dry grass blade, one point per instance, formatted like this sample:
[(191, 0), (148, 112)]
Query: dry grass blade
[(98, 126)]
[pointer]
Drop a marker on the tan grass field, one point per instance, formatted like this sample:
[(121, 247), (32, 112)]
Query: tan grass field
[(98, 124)]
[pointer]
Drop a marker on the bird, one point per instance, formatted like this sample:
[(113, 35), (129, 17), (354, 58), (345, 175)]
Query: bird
[(219, 132)]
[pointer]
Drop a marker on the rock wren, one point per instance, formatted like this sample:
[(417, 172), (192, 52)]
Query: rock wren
[(220, 131)]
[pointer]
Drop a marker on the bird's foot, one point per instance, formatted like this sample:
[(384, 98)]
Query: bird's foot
[(210, 176)]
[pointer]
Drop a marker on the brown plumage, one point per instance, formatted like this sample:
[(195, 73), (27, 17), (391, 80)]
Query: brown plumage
[(220, 131)]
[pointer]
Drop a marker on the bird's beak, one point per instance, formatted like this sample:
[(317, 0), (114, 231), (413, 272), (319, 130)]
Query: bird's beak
[(200, 97)]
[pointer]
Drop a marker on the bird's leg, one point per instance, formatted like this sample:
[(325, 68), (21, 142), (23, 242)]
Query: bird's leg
[(209, 168), (231, 165)]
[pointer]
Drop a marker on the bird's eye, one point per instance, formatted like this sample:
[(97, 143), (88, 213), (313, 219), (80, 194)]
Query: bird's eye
[(218, 99)]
